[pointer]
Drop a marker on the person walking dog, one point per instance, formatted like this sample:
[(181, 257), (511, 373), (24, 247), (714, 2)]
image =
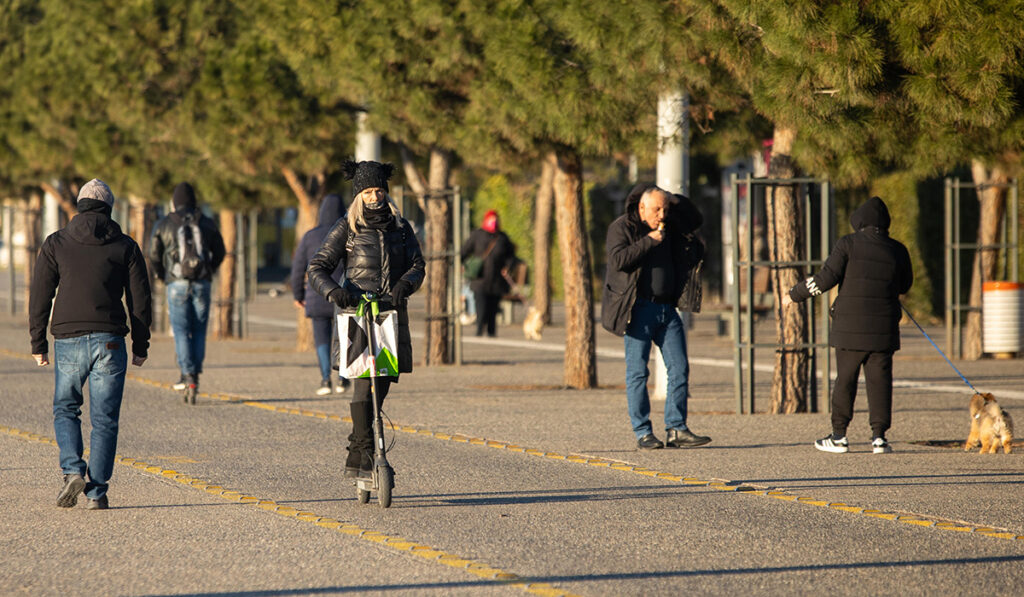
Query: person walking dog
[(651, 251), (90, 265), (872, 271), (378, 251)]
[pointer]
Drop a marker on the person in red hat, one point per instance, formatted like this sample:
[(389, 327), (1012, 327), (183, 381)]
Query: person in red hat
[(494, 253)]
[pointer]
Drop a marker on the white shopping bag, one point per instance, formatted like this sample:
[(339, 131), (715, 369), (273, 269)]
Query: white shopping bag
[(356, 358)]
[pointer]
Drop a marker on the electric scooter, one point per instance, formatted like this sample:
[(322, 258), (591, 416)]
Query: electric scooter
[(382, 478)]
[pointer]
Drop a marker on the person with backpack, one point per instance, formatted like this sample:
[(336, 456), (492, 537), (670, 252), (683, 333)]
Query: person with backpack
[(90, 266), (317, 309), (185, 251)]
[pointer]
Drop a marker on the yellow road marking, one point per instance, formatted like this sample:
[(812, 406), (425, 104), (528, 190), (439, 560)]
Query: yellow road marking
[(718, 484), (399, 544)]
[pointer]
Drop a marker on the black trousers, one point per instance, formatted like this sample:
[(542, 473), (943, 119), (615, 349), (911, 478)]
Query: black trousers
[(361, 408), (878, 375), (486, 312)]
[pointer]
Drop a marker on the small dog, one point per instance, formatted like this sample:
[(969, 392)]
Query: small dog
[(533, 324), (990, 425)]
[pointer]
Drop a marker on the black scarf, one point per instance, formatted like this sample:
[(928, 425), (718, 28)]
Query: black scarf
[(378, 218)]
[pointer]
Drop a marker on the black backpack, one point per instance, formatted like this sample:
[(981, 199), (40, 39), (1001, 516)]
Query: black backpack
[(193, 261)]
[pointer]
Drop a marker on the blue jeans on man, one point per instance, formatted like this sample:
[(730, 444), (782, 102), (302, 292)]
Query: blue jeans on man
[(188, 305), (102, 359), (661, 325)]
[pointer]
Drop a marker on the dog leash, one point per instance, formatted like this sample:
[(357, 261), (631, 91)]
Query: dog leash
[(937, 348)]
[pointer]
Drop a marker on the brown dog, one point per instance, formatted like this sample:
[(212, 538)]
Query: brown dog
[(990, 425)]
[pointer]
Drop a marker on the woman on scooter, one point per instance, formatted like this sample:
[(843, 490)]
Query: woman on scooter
[(379, 253)]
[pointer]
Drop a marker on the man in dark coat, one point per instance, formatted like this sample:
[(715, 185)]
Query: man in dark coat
[(90, 266), (318, 310), (493, 246), (651, 251), (188, 293), (872, 270)]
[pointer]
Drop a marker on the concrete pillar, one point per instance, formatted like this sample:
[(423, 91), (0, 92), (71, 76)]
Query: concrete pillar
[(367, 140), (51, 213), (673, 175)]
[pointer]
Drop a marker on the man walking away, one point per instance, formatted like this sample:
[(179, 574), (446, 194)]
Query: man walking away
[(651, 249), (872, 270), (90, 265), (185, 252)]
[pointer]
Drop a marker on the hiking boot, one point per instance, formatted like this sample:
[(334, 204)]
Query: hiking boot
[(880, 446), (74, 484), (832, 444), (684, 438), (649, 442), (325, 388), (181, 384), (99, 503)]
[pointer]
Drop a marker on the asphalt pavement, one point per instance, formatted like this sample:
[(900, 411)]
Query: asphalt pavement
[(506, 482)]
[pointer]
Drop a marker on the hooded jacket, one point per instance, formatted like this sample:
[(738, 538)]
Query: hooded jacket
[(501, 256), (90, 265), (374, 260), (872, 270), (332, 209), (627, 245), (163, 246)]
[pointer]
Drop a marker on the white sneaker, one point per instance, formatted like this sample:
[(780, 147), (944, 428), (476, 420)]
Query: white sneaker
[(325, 388), (880, 446), (836, 446)]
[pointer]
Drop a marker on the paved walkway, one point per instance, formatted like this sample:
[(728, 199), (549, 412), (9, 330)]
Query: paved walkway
[(507, 483)]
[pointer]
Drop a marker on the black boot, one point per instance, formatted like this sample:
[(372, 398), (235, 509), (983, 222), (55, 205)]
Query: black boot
[(360, 443)]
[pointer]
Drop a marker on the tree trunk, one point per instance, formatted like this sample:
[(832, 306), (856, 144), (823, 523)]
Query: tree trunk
[(432, 195), (67, 199), (33, 240), (224, 324), (580, 367), (993, 209), (785, 243), (542, 240), (308, 207)]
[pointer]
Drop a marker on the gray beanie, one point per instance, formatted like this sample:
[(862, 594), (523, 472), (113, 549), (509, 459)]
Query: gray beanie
[(98, 190)]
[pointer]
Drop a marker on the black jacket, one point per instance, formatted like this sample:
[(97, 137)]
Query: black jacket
[(501, 256), (872, 270), (627, 244), (163, 246), (331, 210), (90, 265), (374, 261)]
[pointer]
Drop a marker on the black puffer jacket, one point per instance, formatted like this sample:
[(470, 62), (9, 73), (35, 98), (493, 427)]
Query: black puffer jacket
[(627, 244), (872, 270), (374, 261), (90, 265), (163, 246)]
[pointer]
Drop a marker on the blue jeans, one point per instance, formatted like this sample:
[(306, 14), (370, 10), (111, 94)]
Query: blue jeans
[(323, 332), (188, 305), (102, 359), (660, 324)]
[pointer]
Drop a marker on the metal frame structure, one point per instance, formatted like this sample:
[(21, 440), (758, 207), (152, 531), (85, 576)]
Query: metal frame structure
[(744, 342), (955, 307), (453, 258)]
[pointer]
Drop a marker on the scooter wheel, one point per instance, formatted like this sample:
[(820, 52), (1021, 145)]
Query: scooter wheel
[(362, 496), (386, 480)]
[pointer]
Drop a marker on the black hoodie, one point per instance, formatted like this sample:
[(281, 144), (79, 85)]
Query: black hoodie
[(872, 270), (627, 246), (90, 265), (332, 209)]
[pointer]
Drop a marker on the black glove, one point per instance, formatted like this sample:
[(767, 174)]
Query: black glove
[(343, 298), (400, 292)]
